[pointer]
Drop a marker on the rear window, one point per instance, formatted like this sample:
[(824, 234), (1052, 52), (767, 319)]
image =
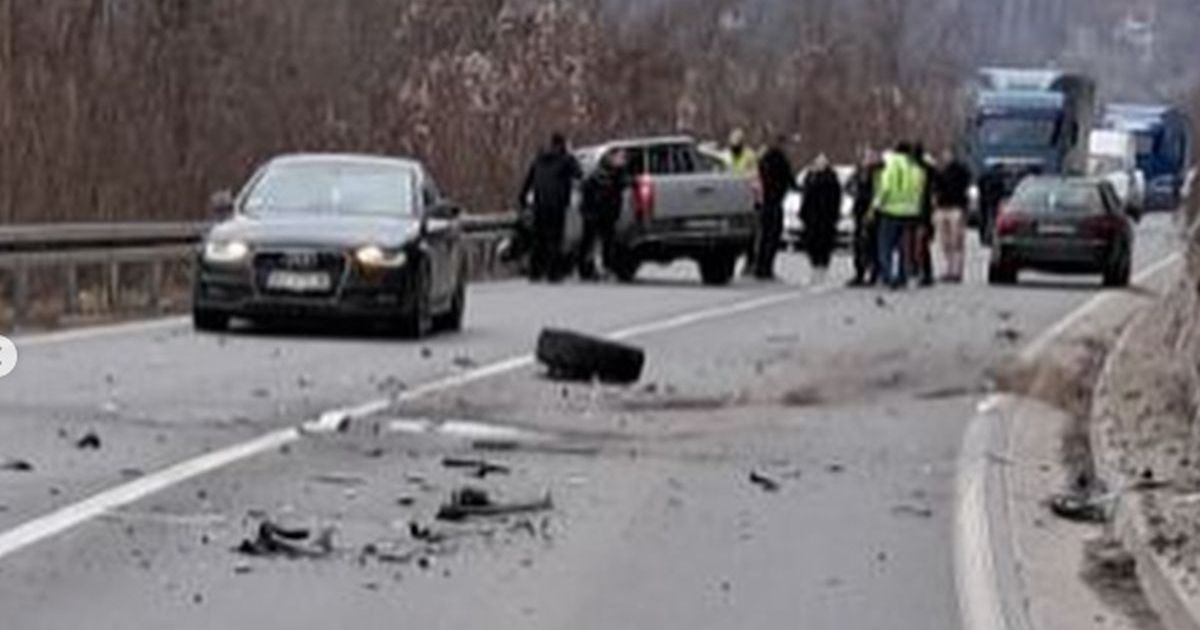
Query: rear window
[(1059, 197)]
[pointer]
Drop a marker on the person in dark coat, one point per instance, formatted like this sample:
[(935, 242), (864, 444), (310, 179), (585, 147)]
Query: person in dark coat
[(820, 212), (862, 187), (921, 235), (603, 198), (993, 188), (777, 178), (951, 196), (547, 189)]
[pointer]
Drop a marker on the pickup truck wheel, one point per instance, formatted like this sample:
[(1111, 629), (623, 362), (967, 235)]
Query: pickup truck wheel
[(1117, 273), (204, 320), (625, 267), (718, 269)]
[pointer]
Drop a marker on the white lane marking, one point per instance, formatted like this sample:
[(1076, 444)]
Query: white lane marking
[(71, 516), (82, 334), (983, 603), (1043, 341)]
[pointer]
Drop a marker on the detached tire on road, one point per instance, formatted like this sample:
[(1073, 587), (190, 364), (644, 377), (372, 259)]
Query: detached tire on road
[(572, 356), (1002, 273), (1118, 274), (625, 267)]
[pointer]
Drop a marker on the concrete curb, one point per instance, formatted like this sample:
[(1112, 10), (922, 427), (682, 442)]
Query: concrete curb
[(991, 590), (1130, 526)]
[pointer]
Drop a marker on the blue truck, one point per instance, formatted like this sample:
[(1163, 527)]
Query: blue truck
[(1026, 122), (1164, 148)]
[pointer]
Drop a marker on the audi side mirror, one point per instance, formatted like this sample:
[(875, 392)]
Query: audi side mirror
[(220, 204), (445, 211)]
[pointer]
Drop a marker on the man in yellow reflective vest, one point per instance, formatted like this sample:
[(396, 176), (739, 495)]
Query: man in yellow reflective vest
[(744, 161), (899, 192)]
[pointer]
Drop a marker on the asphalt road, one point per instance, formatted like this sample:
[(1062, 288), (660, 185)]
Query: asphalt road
[(853, 402)]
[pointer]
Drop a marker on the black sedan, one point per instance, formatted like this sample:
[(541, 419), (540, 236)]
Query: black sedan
[(1071, 225), (334, 236)]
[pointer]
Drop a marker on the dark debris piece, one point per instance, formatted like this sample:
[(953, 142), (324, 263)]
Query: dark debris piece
[(89, 442), (476, 467), (16, 465), (764, 482), (274, 540), (467, 503), (1079, 508)]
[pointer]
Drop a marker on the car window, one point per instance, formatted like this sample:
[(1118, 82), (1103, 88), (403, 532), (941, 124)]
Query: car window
[(1059, 197), (332, 188), (660, 160), (684, 160)]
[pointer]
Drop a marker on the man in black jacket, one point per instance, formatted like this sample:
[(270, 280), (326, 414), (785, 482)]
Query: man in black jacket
[(862, 188), (951, 192), (777, 177), (603, 199), (547, 189)]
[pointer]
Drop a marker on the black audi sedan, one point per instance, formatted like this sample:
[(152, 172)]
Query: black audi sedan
[(330, 236)]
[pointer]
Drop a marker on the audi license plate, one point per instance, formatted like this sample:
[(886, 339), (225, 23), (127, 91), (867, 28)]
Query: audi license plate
[(1056, 229), (294, 282)]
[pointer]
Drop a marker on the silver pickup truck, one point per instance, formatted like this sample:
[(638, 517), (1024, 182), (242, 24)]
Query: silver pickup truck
[(683, 204)]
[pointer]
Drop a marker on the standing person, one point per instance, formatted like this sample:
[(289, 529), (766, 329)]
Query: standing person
[(992, 190), (777, 178), (603, 198), (950, 202), (921, 233), (862, 188), (744, 161), (820, 211), (547, 188), (897, 203)]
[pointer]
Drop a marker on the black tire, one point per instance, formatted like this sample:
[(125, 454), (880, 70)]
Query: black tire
[(204, 320), (718, 269), (625, 267), (1002, 274), (572, 356), (1119, 273), (453, 319), (418, 324)]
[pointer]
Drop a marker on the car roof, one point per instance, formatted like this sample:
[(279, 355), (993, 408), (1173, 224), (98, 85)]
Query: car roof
[(1064, 180), (360, 159), (626, 143)]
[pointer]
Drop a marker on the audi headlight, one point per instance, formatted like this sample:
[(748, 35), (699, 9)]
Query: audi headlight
[(225, 252), (375, 256)]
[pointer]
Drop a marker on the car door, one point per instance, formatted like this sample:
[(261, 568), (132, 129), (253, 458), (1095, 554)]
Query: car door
[(441, 238)]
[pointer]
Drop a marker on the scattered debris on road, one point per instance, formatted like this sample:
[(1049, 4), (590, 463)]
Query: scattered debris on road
[(273, 540), (464, 362), (478, 468), (764, 482), (914, 511), (572, 356), (1009, 335), (1080, 508), (945, 393), (805, 396), (89, 442), (339, 479), (466, 503), (835, 469), (15, 465)]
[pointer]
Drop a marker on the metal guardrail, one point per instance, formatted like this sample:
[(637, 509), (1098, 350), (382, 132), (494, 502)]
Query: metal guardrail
[(64, 250)]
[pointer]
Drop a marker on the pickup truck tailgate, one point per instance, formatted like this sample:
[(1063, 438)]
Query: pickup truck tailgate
[(701, 197)]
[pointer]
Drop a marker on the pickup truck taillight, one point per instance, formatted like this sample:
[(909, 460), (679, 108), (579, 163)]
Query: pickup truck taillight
[(643, 198)]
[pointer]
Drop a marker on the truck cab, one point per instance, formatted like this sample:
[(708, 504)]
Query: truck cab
[(1163, 136)]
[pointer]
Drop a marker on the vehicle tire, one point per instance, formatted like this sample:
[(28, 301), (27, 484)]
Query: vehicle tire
[(419, 323), (1118, 274), (718, 269), (572, 356), (452, 320), (625, 267), (1002, 274), (205, 320)]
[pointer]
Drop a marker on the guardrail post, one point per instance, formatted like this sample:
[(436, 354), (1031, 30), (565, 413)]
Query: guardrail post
[(20, 295), (71, 289), (155, 289), (114, 285)]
